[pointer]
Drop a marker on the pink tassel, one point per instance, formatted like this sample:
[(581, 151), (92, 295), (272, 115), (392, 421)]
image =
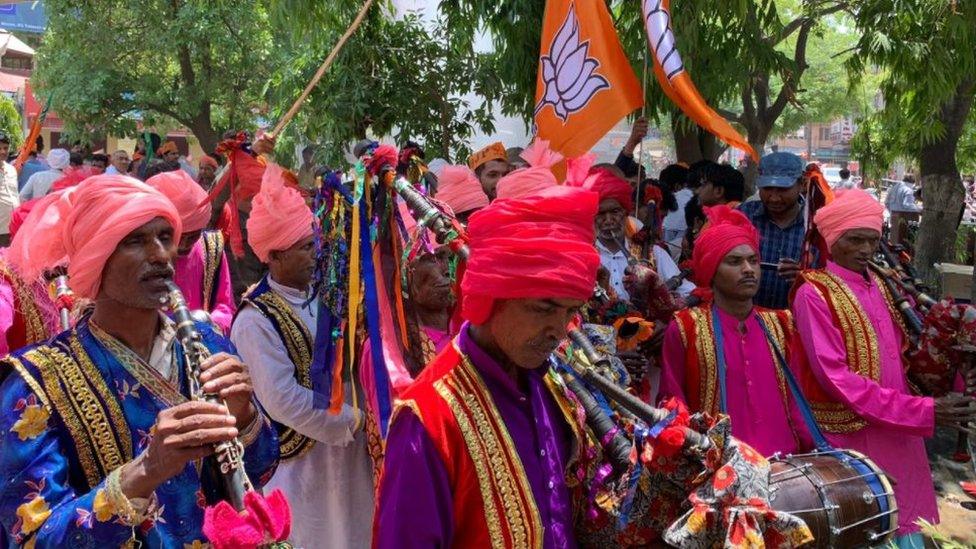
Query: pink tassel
[(577, 169), (263, 521), (539, 155)]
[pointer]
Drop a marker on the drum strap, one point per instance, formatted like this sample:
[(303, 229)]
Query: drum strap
[(818, 438), (801, 402)]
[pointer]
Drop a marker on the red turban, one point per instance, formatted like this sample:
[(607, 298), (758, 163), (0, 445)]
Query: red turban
[(458, 187), (536, 247), (189, 198), (279, 216), (608, 185), (727, 229), (536, 177), (383, 156), (84, 224)]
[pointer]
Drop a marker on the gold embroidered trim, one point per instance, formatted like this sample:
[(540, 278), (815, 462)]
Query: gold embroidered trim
[(557, 387), (146, 375), (501, 477), (34, 328), (772, 321), (707, 359), (72, 384), (34, 385), (298, 345), (213, 254), (861, 344)]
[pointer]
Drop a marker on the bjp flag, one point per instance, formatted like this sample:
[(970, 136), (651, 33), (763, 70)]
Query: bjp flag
[(585, 83)]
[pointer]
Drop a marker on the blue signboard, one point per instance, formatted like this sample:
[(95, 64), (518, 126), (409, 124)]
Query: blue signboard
[(26, 16)]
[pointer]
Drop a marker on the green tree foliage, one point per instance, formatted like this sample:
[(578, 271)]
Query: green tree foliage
[(926, 48), (10, 123), (111, 63), (748, 55), (397, 76)]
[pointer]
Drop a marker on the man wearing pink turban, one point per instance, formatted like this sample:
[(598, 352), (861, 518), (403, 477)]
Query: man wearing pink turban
[(458, 187), (202, 271), (95, 420), (727, 335), (325, 468), (850, 336)]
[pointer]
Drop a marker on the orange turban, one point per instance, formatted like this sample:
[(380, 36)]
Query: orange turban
[(458, 187), (167, 147), (536, 177), (207, 160), (189, 198), (84, 224), (608, 185), (850, 209), (495, 151), (727, 229), (536, 247), (279, 216)]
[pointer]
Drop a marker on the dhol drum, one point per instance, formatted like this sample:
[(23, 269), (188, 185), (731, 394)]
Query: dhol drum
[(845, 499)]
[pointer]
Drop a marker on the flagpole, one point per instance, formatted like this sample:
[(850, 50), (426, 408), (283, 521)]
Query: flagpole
[(640, 146)]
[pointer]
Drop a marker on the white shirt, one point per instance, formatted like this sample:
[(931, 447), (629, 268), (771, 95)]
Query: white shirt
[(616, 263), (846, 184), (901, 198), (39, 184), (9, 199), (675, 221), (330, 488)]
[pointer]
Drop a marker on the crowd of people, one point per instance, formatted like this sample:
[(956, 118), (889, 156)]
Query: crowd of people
[(708, 300)]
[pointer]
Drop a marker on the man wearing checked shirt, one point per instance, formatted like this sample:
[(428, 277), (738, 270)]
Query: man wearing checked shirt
[(778, 216)]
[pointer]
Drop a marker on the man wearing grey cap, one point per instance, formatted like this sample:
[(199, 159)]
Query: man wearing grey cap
[(778, 216), (40, 183)]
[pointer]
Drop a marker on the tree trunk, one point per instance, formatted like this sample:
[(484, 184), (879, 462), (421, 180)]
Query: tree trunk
[(686, 144), (942, 189), (205, 133), (711, 147)]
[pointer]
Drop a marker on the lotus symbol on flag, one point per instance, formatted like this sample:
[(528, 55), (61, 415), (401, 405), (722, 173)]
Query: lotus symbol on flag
[(568, 74)]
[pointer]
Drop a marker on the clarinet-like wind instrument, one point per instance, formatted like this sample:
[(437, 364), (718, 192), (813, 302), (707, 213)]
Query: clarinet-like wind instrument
[(228, 457)]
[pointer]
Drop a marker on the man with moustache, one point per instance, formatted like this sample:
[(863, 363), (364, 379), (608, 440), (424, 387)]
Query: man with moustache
[(434, 490), (727, 355), (489, 165), (325, 470), (98, 442), (201, 268), (850, 338)]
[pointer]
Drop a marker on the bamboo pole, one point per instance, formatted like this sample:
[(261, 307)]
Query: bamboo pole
[(280, 126)]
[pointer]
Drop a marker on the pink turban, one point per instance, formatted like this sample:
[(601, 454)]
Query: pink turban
[(850, 209), (279, 216), (727, 229), (536, 247), (84, 224), (458, 187), (608, 185), (187, 195), (536, 177)]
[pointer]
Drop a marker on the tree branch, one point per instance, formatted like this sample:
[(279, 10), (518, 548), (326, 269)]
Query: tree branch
[(799, 22), (791, 83), (730, 116)]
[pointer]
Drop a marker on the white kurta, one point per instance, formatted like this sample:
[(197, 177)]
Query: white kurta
[(331, 487)]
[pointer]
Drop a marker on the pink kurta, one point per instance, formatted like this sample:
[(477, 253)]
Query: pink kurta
[(897, 421), (755, 401), (189, 277)]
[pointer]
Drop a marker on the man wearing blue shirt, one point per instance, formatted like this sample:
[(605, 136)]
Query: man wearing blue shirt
[(778, 216)]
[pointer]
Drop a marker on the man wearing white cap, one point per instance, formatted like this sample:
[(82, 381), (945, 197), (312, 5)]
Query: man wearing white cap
[(40, 183)]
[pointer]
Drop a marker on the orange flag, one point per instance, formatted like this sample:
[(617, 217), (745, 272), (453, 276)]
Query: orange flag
[(676, 82), (585, 83)]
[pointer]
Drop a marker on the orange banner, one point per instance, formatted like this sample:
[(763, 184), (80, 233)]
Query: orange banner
[(675, 80), (585, 84)]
